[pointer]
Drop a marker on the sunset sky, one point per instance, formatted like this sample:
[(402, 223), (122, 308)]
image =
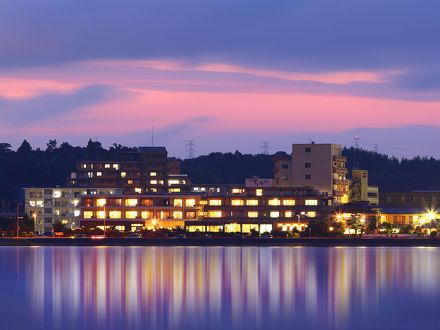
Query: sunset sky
[(227, 74)]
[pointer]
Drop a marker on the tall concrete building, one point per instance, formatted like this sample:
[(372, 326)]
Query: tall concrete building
[(320, 166)]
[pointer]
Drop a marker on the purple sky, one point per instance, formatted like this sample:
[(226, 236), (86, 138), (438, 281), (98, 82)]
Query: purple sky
[(228, 74)]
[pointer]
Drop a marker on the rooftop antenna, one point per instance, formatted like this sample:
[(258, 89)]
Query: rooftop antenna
[(356, 146)]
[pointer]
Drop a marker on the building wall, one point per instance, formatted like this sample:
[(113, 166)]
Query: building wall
[(130, 212), (423, 199), (49, 205), (283, 171), (322, 167)]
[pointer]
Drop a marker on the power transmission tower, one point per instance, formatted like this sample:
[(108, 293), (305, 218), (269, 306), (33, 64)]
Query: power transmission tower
[(264, 148), (190, 149)]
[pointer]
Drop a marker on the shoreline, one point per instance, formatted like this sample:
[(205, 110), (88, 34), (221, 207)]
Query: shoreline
[(316, 242)]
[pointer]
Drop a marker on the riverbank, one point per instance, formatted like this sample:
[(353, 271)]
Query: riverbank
[(324, 242)]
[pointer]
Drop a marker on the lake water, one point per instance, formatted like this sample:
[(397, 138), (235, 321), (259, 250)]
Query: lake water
[(219, 288)]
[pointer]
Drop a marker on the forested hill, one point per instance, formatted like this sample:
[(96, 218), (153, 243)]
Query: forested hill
[(28, 167)]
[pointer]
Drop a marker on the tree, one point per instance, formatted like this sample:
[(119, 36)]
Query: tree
[(5, 148), (25, 147), (51, 145)]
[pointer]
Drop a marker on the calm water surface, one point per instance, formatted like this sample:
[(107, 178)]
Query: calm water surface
[(219, 288)]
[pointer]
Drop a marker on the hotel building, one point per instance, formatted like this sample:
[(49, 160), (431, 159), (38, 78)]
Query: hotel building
[(144, 171), (47, 206), (220, 208), (320, 166)]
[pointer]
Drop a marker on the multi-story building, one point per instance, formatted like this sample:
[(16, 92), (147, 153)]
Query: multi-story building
[(210, 209), (260, 208), (50, 205), (320, 166), (360, 190), (133, 212), (144, 171)]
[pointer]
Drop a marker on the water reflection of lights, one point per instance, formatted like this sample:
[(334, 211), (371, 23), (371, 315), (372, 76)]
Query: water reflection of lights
[(161, 288)]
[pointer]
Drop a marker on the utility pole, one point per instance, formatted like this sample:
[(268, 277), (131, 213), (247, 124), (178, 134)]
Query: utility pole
[(190, 149)]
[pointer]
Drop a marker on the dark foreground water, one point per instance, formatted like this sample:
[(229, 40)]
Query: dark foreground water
[(219, 288)]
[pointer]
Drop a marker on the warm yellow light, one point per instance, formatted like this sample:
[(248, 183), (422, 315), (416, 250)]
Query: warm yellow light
[(154, 222), (338, 216), (431, 215), (331, 229)]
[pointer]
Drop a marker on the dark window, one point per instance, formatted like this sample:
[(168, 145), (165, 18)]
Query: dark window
[(284, 166), (308, 176), (308, 149), (308, 165)]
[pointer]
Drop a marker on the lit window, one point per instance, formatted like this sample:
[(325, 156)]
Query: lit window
[(288, 214), (215, 202), (98, 173), (56, 194), (174, 190), (153, 181), (173, 182), (274, 202), (237, 202), (129, 181), (76, 213), (84, 165), (214, 214), (153, 189), (107, 165), (131, 202), (161, 182), (32, 203), (190, 202), (145, 215), (252, 202), (115, 214), (311, 202), (311, 214), (288, 202), (177, 203), (153, 173), (237, 190), (101, 202), (203, 202), (177, 214), (116, 166), (252, 214), (90, 174), (123, 174), (39, 204), (259, 192), (274, 214), (88, 214), (131, 214), (100, 214), (138, 190)]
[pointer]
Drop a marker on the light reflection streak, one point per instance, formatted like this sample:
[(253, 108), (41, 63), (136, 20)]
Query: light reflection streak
[(170, 288)]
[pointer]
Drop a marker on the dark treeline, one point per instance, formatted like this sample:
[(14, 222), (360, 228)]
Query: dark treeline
[(27, 167)]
